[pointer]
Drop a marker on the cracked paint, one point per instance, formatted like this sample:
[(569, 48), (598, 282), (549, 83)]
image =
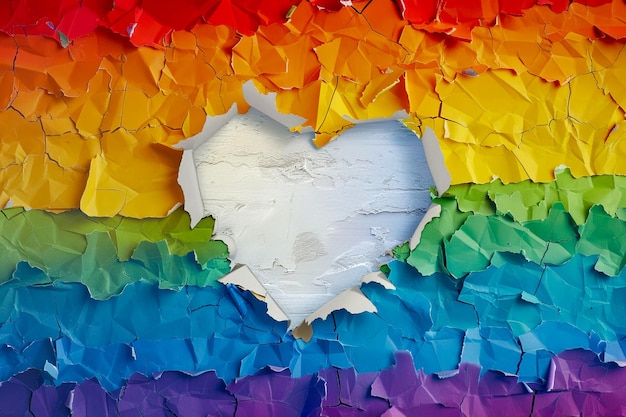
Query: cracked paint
[(507, 300)]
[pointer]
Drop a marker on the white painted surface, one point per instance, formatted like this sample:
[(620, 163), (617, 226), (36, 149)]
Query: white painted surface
[(311, 222)]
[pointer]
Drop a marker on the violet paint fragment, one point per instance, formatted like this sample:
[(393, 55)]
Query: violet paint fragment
[(89, 399), (348, 394), (579, 384), (271, 393), (49, 401), (176, 394)]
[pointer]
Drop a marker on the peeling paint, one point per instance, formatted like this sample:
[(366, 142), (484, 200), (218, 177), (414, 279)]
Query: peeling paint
[(311, 222)]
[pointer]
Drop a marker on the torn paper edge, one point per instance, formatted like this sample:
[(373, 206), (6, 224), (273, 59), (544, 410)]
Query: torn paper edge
[(187, 173), (435, 161), (433, 211), (211, 125), (398, 115), (245, 279), (229, 241), (188, 181), (351, 300), (266, 104), (379, 278)]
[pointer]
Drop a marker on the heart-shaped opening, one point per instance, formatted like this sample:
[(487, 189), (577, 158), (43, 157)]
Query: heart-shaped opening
[(308, 222)]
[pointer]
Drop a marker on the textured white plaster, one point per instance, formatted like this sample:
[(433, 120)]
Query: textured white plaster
[(308, 222)]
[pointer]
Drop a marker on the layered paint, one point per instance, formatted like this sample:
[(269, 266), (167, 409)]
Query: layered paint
[(508, 298), (320, 218)]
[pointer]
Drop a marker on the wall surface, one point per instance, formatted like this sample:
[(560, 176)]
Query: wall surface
[(311, 222)]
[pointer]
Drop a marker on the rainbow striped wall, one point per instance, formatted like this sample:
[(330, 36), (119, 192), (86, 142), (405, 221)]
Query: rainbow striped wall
[(512, 302)]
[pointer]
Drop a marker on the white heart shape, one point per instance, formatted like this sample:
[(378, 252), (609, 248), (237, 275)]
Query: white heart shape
[(311, 222)]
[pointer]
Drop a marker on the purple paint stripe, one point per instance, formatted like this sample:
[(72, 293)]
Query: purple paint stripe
[(580, 384)]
